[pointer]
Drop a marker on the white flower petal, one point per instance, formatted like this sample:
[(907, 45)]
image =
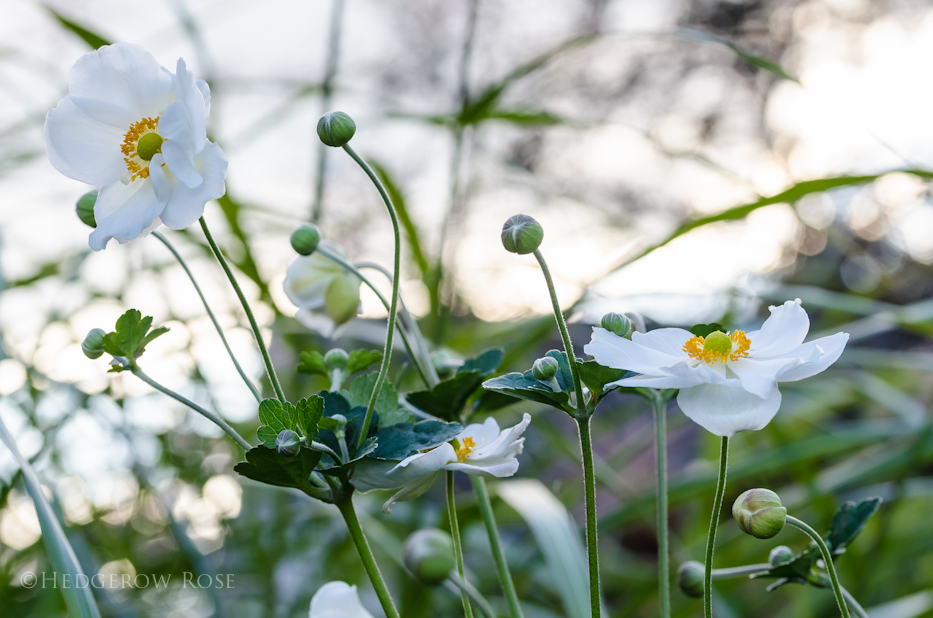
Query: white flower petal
[(370, 475), (725, 410), (507, 443), (318, 322), (417, 468), (160, 177), (186, 205), (783, 331), (409, 492), (206, 96), (124, 212), (83, 148), (308, 276), (667, 340), (610, 350), (656, 382), (760, 377), (188, 91), (499, 468), (337, 600), (179, 145), (482, 433), (119, 85), (818, 355)]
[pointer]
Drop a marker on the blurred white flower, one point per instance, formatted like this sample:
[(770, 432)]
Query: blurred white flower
[(727, 383), (139, 132), (337, 600), (326, 294), (480, 449)]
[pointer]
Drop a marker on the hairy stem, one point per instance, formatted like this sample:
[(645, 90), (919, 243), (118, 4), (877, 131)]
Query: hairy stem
[(502, 566), (858, 609), (273, 379), (827, 559), (713, 526), (470, 590), (366, 555), (660, 447), (458, 547), (589, 482)]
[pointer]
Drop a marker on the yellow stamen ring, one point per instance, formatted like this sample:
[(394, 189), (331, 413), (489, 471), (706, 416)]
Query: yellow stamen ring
[(464, 450), (140, 144), (717, 347)]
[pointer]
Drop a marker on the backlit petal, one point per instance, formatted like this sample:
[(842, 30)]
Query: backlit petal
[(783, 331), (667, 340), (337, 600), (760, 376), (725, 410), (83, 148), (124, 212), (179, 145), (818, 355), (186, 205), (610, 350)]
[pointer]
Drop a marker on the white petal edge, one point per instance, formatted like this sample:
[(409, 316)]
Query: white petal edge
[(124, 212), (760, 377), (186, 205), (178, 149), (725, 410), (667, 340), (337, 600), (830, 349), (610, 350), (81, 147), (784, 330)]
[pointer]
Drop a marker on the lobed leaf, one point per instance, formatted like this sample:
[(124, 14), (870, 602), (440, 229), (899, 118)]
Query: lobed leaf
[(401, 441), (362, 359)]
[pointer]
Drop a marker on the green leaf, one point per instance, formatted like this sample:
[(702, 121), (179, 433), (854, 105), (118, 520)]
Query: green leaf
[(267, 435), (131, 335), (485, 363), (266, 465), (337, 403), (362, 389), (396, 417), (273, 414), (525, 386), (362, 359), (703, 330), (94, 40), (848, 521), (312, 362), (401, 441), (308, 413), (596, 377), (448, 398), (746, 56)]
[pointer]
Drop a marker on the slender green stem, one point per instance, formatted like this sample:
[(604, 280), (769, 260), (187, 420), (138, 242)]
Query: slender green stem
[(502, 566), (589, 482), (858, 609), (203, 412), (393, 304), (827, 559), (210, 314), (660, 447), (366, 555), (564, 334), (713, 526), (273, 379), (740, 571), (458, 547), (471, 591)]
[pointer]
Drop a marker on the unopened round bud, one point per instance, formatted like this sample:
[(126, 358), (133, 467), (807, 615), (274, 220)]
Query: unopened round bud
[(690, 579), (342, 298), (781, 553), (429, 555), (93, 344), (521, 234), (85, 208), (759, 512), (287, 443), (305, 239), (335, 129), (617, 324), (336, 359), (545, 368)]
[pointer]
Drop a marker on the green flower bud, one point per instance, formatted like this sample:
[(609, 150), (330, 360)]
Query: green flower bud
[(335, 129), (781, 553), (759, 512), (618, 324), (305, 239), (429, 555), (342, 298), (287, 443), (690, 579), (521, 234), (336, 359), (93, 344), (85, 208), (545, 368)]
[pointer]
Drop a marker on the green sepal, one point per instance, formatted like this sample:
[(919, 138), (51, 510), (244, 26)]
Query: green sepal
[(401, 441), (267, 466), (448, 398)]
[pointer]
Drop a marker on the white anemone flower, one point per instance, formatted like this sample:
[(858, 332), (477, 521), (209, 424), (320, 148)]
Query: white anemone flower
[(139, 132), (326, 294), (481, 449), (337, 600), (728, 383)]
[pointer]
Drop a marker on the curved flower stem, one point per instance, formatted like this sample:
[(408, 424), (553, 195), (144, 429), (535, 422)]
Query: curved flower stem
[(713, 525), (502, 566), (589, 482), (393, 304), (203, 412), (210, 314), (458, 547), (740, 571), (366, 555), (858, 609), (471, 591), (660, 447), (273, 379), (827, 559)]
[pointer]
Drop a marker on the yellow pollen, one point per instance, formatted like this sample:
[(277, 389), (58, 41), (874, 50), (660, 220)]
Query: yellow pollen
[(696, 348), (464, 450), (139, 131)]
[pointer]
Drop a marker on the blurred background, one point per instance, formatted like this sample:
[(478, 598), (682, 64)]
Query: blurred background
[(780, 146)]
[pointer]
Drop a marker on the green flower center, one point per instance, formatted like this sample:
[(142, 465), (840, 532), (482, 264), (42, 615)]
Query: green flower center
[(148, 145), (718, 342)]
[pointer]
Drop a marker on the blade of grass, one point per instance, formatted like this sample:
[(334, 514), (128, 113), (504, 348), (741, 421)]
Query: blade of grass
[(91, 38)]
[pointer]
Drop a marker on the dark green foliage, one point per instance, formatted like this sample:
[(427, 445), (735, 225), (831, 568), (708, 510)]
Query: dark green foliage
[(131, 336), (401, 441), (448, 399), (265, 465)]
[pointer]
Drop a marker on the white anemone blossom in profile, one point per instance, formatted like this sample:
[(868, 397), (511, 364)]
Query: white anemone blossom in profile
[(481, 449), (137, 131), (337, 600), (326, 294), (727, 383)]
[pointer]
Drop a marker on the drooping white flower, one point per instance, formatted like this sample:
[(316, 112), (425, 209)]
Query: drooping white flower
[(727, 383), (481, 449), (337, 600), (326, 294), (139, 132)]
